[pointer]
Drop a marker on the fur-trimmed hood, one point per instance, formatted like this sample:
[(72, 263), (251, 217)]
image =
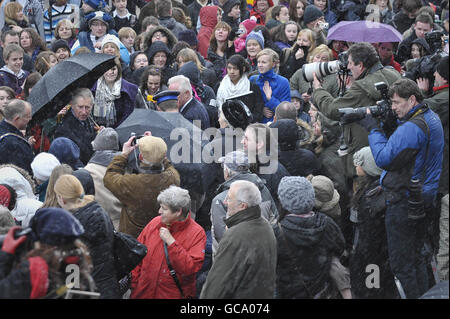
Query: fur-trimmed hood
[(172, 40)]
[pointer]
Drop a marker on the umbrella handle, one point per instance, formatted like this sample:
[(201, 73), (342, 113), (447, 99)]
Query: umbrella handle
[(97, 127)]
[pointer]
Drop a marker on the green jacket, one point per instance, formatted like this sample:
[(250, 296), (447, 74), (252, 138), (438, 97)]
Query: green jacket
[(361, 93), (246, 260), (330, 83), (438, 102)]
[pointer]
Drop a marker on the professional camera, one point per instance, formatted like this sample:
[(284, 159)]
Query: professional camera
[(322, 69), (134, 141), (426, 66), (350, 115)]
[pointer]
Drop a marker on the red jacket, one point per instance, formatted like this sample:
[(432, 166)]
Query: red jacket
[(151, 278), (395, 65), (208, 20)]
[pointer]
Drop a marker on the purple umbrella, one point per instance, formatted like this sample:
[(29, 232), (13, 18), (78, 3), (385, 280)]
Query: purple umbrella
[(364, 31)]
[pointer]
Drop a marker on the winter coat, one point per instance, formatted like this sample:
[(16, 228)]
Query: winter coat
[(407, 148), (330, 16), (401, 22), (245, 263), (196, 111), (167, 72), (297, 161), (361, 93), (438, 102), (290, 64), (280, 90), (97, 168), (172, 24), (330, 83), (33, 10), (28, 280), (14, 149), (218, 210), (370, 246), (99, 237), (208, 20), (9, 79), (272, 179), (26, 202), (72, 128), (151, 278), (219, 62), (332, 165), (314, 240), (125, 104), (10, 23), (138, 192)]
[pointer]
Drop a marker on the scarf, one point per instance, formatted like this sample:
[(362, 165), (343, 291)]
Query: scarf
[(228, 89), (104, 109)]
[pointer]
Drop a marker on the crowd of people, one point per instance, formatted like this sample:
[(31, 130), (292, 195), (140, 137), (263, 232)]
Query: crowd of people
[(310, 190)]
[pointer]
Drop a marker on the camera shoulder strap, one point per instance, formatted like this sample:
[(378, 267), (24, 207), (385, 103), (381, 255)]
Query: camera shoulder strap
[(172, 271), (419, 120)]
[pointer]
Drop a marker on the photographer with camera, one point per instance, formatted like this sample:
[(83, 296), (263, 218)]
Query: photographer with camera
[(366, 69), (138, 192), (411, 159)]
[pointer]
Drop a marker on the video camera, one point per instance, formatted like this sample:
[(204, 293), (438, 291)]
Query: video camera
[(426, 66)]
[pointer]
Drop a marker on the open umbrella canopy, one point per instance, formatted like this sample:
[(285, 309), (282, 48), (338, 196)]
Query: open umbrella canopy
[(184, 144), (364, 31), (53, 90)]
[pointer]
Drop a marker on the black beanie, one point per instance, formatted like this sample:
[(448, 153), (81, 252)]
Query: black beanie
[(442, 67), (311, 13)]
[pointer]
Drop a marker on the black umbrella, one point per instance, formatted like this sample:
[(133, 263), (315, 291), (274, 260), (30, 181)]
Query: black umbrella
[(184, 144), (53, 90)]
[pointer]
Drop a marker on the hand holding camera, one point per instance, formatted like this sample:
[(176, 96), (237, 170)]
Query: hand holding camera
[(10, 243)]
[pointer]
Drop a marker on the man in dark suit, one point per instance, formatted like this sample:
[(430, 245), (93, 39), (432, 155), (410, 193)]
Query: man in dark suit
[(188, 106), (76, 124)]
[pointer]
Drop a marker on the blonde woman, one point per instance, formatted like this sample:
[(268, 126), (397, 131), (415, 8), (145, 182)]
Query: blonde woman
[(98, 235), (65, 30), (50, 195), (14, 17)]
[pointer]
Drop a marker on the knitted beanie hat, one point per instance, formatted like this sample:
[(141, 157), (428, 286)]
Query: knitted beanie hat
[(249, 24), (296, 194), (106, 140), (311, 13), (258, 36), (364, 158)]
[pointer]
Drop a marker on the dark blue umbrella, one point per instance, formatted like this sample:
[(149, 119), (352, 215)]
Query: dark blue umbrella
[(53, 90)]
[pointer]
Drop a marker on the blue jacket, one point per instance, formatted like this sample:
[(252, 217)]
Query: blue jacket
[(280, 90), (406, 147)]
